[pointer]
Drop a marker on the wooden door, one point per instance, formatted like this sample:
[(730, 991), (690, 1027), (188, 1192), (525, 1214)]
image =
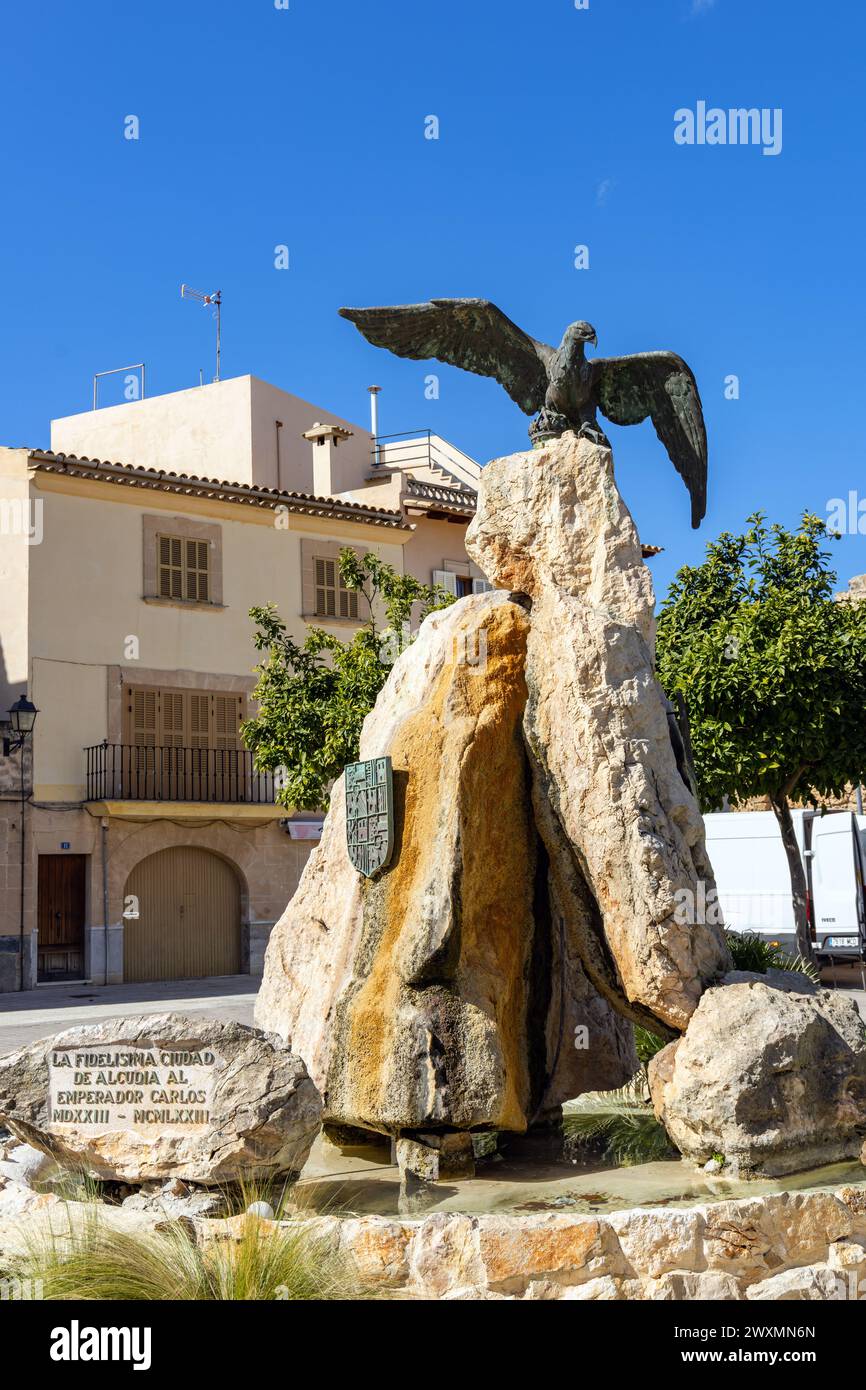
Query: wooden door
[(60, 908), (189, 922)]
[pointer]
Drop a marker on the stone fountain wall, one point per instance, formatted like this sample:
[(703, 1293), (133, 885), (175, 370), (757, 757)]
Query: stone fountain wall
[(788, 1245), (807, 1245)]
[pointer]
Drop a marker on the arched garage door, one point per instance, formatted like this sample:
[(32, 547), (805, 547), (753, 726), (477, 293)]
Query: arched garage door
[(189, 922)]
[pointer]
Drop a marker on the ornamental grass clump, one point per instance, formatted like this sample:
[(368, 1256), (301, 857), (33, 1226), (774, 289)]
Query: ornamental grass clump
[(257, 1260)]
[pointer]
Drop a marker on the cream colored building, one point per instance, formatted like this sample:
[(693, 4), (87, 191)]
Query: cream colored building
[(152, 848)]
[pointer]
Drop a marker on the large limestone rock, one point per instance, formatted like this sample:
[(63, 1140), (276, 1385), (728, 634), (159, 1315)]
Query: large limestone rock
[(622, 829), (443, 994), (771, 1073), (161, 1097)]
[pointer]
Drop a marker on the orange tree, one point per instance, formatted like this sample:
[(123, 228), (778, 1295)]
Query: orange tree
[(314, 695), (772, 670)]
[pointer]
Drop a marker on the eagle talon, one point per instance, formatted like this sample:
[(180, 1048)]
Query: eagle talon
[(594, 434)]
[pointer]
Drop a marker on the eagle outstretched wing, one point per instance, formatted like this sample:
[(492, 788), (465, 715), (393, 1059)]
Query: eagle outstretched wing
[(468, 333), (661, 385)]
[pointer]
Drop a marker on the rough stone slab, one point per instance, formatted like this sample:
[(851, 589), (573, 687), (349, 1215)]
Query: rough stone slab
[(240, 1106), (625, 824), (770, 1073), (436, 995)]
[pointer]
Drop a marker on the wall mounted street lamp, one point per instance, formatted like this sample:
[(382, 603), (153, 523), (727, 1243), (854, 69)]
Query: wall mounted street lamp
[(22, 717)]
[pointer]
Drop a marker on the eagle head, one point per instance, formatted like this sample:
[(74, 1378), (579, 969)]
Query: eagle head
[(581, 332)]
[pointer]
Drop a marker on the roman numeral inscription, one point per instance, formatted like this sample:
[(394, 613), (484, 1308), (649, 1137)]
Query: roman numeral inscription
[(131, 1088)]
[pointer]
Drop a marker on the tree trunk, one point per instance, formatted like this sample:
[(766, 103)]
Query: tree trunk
[(796, 868)]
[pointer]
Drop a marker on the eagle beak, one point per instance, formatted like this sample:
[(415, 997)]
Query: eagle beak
[(594, 340)]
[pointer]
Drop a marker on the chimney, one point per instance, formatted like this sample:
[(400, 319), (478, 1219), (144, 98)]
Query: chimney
[(325, 439), (374, 420)]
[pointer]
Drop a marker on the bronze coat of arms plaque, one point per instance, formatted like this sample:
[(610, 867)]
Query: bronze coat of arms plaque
[(369, 814)]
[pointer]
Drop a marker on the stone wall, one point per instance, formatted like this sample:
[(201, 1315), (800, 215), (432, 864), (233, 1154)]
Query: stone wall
[(786, 1245), (846, 802), (807, 1245)]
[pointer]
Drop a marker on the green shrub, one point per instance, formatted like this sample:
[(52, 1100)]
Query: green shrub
[(621, 1123), (752, 952), (647, 1044)]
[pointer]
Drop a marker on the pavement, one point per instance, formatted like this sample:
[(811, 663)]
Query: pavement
[(37, 1013)]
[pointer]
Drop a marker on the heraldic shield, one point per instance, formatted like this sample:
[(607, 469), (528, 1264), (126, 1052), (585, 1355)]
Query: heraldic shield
[(369, 814)]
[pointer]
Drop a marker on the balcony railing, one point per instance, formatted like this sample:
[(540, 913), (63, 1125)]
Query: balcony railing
[(410, 449), (130, 772)]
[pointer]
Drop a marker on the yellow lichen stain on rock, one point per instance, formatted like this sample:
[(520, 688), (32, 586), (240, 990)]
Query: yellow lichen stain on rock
[(455, 774)]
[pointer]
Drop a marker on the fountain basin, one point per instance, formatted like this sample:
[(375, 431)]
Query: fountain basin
[(654, 1231)]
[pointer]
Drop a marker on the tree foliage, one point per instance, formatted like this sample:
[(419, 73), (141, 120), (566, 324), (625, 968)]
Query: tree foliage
[(772, 670), (314, 695), (771, 667)]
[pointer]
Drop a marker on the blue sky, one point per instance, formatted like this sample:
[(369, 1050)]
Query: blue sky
[(305, 127)]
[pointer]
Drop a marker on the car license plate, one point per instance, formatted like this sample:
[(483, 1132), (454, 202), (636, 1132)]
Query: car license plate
[(841, 941)]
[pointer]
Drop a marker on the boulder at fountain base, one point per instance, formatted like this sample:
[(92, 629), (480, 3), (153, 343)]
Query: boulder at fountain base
[(163, 1096), (771, 1074)]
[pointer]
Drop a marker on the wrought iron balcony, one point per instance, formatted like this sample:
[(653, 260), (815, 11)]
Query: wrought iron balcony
[(131, 772)]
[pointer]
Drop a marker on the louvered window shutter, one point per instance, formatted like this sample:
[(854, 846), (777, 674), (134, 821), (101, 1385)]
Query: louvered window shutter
[(142, 734), (198, 721), (142, 717), (326, 588), (197, 557), (446, 580), (481, 586), (226, 721), (170, 567), (198, 740), (172, 720), (348, 603)]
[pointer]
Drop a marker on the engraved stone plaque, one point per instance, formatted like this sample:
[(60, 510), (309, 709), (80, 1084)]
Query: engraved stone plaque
[(96, 1090)]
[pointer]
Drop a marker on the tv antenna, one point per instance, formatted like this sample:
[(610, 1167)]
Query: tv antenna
[(216, 299)]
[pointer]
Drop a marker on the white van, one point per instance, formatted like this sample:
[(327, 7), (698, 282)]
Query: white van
[(836, 874), (754, 882)]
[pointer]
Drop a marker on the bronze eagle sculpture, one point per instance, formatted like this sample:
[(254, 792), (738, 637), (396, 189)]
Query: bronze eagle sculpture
[(560, 385)]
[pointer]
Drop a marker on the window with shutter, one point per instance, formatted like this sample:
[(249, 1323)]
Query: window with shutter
[(183, 568), (333, 599), (185, 744), (446, 580)]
